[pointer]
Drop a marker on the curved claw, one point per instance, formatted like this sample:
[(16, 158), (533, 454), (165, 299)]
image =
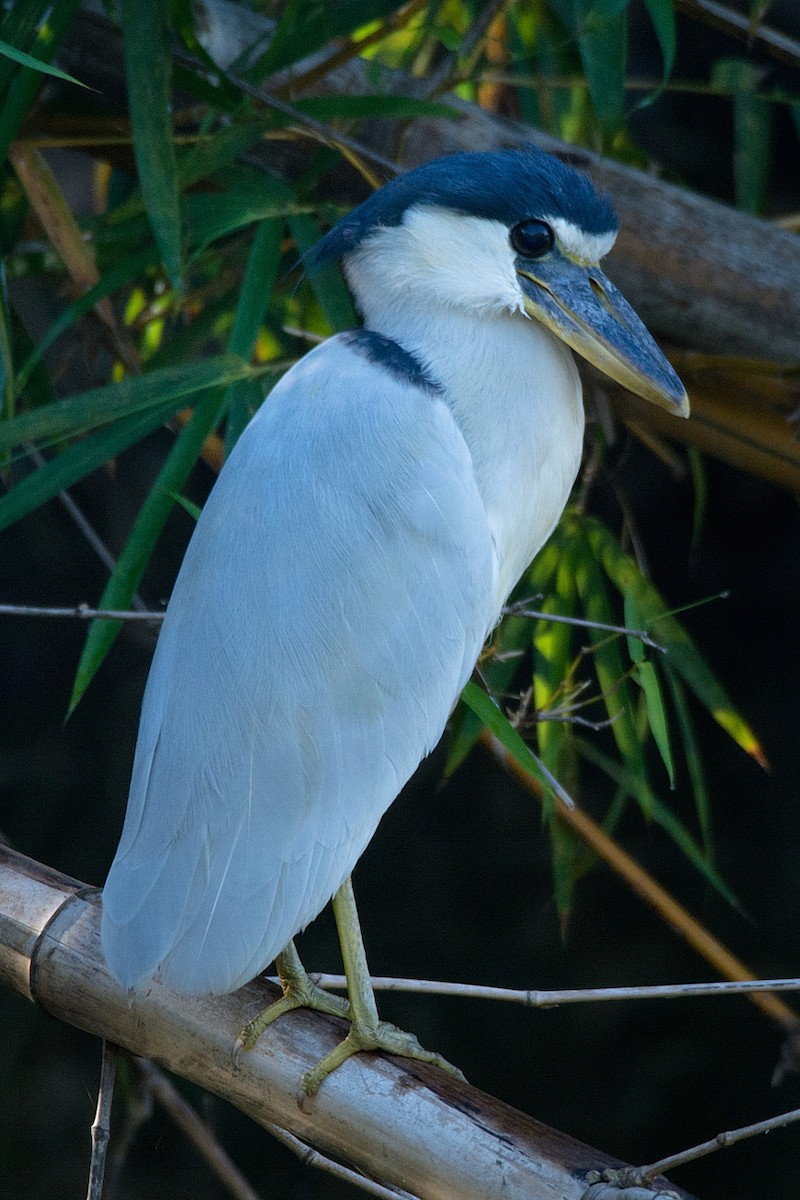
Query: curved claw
[(385, 1037), (299, 991)]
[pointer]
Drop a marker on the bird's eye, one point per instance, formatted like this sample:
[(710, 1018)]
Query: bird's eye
[(532, 239)]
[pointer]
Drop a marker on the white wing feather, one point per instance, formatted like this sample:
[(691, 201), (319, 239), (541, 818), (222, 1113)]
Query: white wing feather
[(330, 608)]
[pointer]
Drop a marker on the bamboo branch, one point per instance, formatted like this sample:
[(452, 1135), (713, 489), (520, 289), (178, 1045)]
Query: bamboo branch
[(408, 1126)]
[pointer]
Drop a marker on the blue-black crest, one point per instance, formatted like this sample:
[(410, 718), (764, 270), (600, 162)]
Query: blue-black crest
[(505, 185)]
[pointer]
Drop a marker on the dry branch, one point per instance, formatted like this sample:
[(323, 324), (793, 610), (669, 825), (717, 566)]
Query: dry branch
[(409, 1126)]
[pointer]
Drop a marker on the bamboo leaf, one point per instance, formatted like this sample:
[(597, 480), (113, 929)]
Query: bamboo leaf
[(499, 725), (147, 529), (148, 74), (326, 282), (660, 813), (692, 756), (644, 673), (36, 64), (308, 24), (684, 656), (752, 124), (76, 414), (79, 460), (662, 15), (52, 22), (609, 666), (254, 297)]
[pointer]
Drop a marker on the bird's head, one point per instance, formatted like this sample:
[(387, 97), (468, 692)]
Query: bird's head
[(513, 230)]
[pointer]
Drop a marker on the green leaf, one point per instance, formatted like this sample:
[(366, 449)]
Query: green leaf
[(326, 282), (644, 673), (305, 25), (79, 460), (36, 64), (7, 396), (84, 411), (129, 268), (147, 529), (752, 125), (692, 756), (600, 30), (209, 155), (607, 655), (684, 656), (52, 23), (254, 297), (498, 724), (662, 14), (661, 814), (323, 108), (148, 73)]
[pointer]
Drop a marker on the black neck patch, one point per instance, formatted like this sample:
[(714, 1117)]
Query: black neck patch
[(392, 357)]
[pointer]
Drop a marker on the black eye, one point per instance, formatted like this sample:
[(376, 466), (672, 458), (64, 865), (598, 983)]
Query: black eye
[(532, 239)]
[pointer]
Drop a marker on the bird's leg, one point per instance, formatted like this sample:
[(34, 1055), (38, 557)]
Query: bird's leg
[(299, 991), (367, 1031)]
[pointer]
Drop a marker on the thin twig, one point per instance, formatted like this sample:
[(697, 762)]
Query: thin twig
[(331, 137), (520, 609), (637, 1176), (739, 25), (84, 525), (81, 612), (310, 1157), (550, 999), (196, 1130), (444, 76), (101, 1129)]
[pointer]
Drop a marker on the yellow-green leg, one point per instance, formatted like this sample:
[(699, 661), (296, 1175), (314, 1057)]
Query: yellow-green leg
[(367, 1031), (299, 991)]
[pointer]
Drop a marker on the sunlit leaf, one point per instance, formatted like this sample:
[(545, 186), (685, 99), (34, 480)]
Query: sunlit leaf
[(684, 656), (306, 25)]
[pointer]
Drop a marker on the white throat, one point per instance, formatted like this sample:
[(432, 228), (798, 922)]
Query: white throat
[(512, 386)]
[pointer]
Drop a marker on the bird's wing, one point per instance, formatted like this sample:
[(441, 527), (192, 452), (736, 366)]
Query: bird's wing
[(331, 605)]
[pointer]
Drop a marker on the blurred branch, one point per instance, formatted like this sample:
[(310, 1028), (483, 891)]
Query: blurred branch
[(444, 1138), (740, 25)]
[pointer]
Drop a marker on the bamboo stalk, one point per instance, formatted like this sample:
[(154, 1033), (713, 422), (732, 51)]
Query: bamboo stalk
[(406, 1125)]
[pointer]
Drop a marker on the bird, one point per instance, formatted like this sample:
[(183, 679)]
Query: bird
[(350, 562)]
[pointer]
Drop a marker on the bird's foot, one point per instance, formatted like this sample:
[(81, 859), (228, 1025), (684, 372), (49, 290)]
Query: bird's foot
[(366, 1031), (299, 991), (368, 1035)]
